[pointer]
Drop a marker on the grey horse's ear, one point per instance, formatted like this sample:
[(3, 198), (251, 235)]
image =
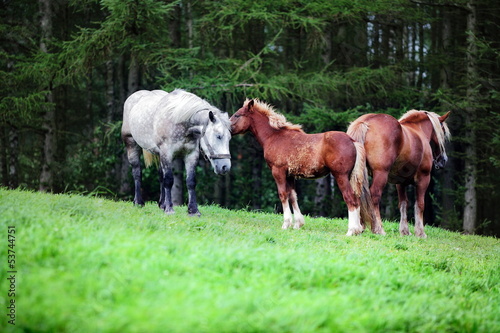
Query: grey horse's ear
[(211, 116), (195, 132)]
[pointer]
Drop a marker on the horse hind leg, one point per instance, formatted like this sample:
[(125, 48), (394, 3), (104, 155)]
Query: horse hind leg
[(297, 214), (421, 188), (133, 155), (378, 183), (166, 178), (404, 230), (353, 205)]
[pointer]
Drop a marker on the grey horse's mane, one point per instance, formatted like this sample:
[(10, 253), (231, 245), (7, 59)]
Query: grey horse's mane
[(183, 105)]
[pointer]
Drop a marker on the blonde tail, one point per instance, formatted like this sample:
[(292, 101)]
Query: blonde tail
[(357, 131), (150, 158), (357, 174)]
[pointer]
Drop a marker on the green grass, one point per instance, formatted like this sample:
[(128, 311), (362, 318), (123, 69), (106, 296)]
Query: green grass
[(93, 265)]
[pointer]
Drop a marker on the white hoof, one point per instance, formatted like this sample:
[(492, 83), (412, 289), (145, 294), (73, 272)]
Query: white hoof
[(354, 231), (286, 225)]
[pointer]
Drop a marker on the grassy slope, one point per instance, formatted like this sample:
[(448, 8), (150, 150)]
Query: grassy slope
[(89, 265)]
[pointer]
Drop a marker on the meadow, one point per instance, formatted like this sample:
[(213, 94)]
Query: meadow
[(87, 264)]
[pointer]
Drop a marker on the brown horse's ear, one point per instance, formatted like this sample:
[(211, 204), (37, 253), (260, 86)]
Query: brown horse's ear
[(250, 105), (444, 117)]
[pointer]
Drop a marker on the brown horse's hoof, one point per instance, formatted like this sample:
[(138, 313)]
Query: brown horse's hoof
[(420, 234)]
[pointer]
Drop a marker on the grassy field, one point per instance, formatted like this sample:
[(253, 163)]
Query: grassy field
[(93, 265)]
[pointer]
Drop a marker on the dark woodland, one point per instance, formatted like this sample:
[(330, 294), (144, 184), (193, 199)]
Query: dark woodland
[(67, 67)]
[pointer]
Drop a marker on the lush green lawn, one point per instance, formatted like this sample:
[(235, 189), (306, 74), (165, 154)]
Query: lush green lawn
[(93, 265)]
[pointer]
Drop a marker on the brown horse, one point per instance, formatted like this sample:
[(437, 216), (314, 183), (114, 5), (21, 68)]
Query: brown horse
[(402, 153), (290, 154)]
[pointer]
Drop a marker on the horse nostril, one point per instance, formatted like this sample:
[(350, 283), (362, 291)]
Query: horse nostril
[(224, 168)]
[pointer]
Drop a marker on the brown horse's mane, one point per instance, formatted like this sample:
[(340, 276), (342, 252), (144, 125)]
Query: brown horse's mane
[(276, 120), (415, 116)]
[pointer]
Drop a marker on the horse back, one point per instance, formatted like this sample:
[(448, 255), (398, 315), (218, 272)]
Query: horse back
[(383, 140), (139, 117)]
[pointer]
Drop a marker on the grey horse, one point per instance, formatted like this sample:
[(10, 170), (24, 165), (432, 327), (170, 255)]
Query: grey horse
[(172, 125)]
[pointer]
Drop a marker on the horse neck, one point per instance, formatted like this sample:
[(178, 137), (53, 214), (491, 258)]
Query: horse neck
[(424, 126), (200, 117), (261, 128), (427, 128)]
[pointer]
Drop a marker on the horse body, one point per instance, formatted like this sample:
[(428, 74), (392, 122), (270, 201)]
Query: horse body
[(174, 125), (290, 153), (401, 152)]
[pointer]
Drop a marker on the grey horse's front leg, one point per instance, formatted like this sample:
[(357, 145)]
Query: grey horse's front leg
[(191, 161), (133, 155), (167, 181), (161, 201)]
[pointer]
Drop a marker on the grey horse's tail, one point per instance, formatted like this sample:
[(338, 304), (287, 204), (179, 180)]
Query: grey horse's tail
[(150, 158)]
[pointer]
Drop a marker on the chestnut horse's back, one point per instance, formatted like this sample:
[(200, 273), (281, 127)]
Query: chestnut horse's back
[(381, 136)]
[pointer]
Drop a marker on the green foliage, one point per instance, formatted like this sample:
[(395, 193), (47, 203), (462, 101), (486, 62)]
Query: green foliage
[(90, 264)]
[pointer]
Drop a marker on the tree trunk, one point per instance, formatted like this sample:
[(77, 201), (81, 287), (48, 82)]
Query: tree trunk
[(421, 56), (448, 203), (13, 152), (49, 123), (189, 23), (256, 178), (110, 91), (3, 157), (124, 168), (323, 196), (470, 208), (133, 75)]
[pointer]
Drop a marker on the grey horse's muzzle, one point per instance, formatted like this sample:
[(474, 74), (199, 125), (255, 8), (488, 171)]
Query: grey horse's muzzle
[(222, 166)]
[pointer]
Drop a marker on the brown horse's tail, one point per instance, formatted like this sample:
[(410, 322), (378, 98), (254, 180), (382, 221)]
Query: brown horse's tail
[(150, 158), (357, 131)]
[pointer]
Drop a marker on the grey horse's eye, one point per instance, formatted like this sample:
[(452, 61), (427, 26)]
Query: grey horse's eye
[(219, 137)]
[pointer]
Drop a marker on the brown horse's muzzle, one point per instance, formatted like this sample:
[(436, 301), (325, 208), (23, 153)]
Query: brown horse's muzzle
[(440, 161)]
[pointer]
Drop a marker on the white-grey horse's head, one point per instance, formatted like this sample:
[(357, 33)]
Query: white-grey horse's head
[(214, 142)]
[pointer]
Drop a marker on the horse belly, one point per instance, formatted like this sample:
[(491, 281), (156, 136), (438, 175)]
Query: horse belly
[(309, 173), (305, 163), (402, 173)]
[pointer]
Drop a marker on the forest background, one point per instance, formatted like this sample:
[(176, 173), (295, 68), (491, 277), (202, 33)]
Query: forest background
[(67, 67)]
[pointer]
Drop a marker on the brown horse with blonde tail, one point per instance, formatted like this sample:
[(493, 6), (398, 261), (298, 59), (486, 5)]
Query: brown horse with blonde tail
[(402, 153), (290, 154)]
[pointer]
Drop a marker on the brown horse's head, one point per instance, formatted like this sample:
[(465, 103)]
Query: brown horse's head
[(439, 136), (241, 121)]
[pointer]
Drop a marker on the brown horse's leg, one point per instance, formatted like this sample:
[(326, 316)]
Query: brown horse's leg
[(421, 187), (378, 183), (353, 204), (403, 205), (283, 193)]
